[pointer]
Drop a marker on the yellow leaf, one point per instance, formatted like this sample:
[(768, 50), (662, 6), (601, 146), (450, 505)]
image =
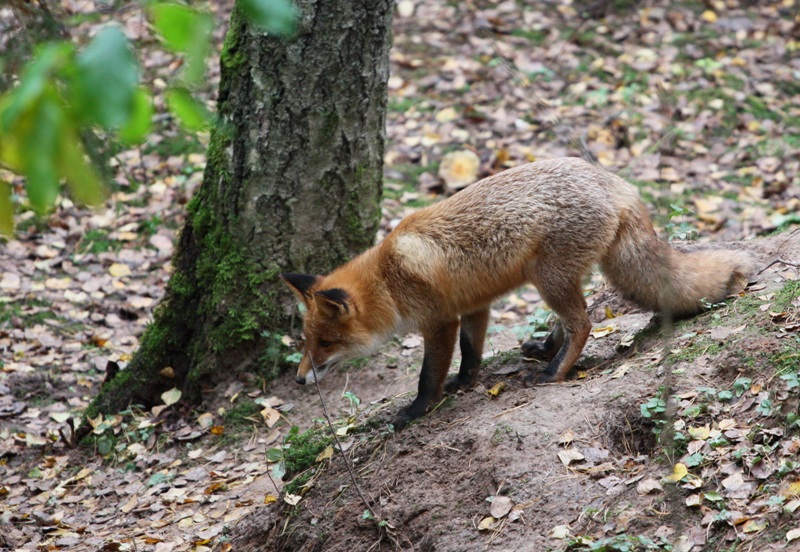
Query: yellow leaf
[(217, 430), (486, 523), (446, 115), (496, 389), (119, 270), (602, 331), (678, 472), (709, 16), (793, 489), (699, 433), (610, 313), (214, 487), (270, 498), (325, 454), (755, 525)]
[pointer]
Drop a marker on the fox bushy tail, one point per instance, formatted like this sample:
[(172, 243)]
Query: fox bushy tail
[(654, 275)]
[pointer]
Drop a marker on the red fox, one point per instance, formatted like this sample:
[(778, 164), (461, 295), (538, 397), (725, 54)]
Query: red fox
[(544, 223)]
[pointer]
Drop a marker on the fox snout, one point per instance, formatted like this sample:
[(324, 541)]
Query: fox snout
[(306, 373)]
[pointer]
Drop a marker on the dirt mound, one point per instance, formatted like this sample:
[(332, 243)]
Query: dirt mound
[(579, 455)]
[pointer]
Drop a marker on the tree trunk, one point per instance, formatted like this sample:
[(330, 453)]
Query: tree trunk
[(292, 183)]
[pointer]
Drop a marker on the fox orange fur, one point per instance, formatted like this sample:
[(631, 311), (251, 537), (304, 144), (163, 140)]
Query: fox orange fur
[(545, 223)]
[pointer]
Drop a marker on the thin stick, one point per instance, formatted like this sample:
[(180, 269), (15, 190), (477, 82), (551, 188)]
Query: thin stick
[(336, 439), (776, 261)]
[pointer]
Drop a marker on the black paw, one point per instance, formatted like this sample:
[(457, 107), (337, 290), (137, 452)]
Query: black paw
[(407, 415), (455, 384), (537, 350), (400, 421), (535, 378)]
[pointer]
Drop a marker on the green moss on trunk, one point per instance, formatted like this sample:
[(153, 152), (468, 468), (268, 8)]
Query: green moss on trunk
[(292, 183)]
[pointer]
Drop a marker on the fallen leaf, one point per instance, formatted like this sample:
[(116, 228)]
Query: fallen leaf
[(119, 270), (291, 499), (496, 389), (270, 416), (325, 454), (793, 534), (570, 455), (501, 506), (649, 485), (699, 433), (755, 525), (694, 500), (567, 437), (205, 420), (486, 523), (459, 169), (560, 532), (621, 371), (678, 472), (602, 331), (171, 397)]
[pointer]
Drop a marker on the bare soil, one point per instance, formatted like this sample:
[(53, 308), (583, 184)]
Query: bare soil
[(432, 481)]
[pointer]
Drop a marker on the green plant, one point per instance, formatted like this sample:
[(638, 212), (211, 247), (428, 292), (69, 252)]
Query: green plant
[(682, 230)]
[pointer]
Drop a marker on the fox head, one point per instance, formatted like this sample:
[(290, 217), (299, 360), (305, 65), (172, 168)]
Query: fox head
[(333, 329)]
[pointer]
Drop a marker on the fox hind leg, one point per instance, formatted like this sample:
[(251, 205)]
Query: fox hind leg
[(566, 299), (547, 349)]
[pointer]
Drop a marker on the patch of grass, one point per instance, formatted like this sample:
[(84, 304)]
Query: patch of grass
[(760, 110), (237, 417), (17, 309), (97, 241), (151, 225), (300, 453), (502, 432), (401, 105), (535, 37), (175, 144), (792, 140), (787, 359), (782, 300), (696, 349)]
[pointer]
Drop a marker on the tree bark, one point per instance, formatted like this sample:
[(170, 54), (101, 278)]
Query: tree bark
[(292, 184)]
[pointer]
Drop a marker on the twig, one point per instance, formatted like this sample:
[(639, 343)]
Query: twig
[(512, 409), (339, 444), (776, 261)]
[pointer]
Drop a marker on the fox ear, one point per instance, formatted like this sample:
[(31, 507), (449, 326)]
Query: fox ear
[(301, 284), (333, 303)]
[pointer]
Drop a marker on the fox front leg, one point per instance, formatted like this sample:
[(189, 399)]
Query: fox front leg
[(439, 342)]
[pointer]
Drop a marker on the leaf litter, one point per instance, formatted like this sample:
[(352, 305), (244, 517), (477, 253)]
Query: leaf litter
[(698, 106)]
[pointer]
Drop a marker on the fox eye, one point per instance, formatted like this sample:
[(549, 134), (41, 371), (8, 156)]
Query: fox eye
[(324, 344)]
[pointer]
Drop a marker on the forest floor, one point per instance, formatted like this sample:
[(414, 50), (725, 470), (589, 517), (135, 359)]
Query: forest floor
[(682, 438)]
